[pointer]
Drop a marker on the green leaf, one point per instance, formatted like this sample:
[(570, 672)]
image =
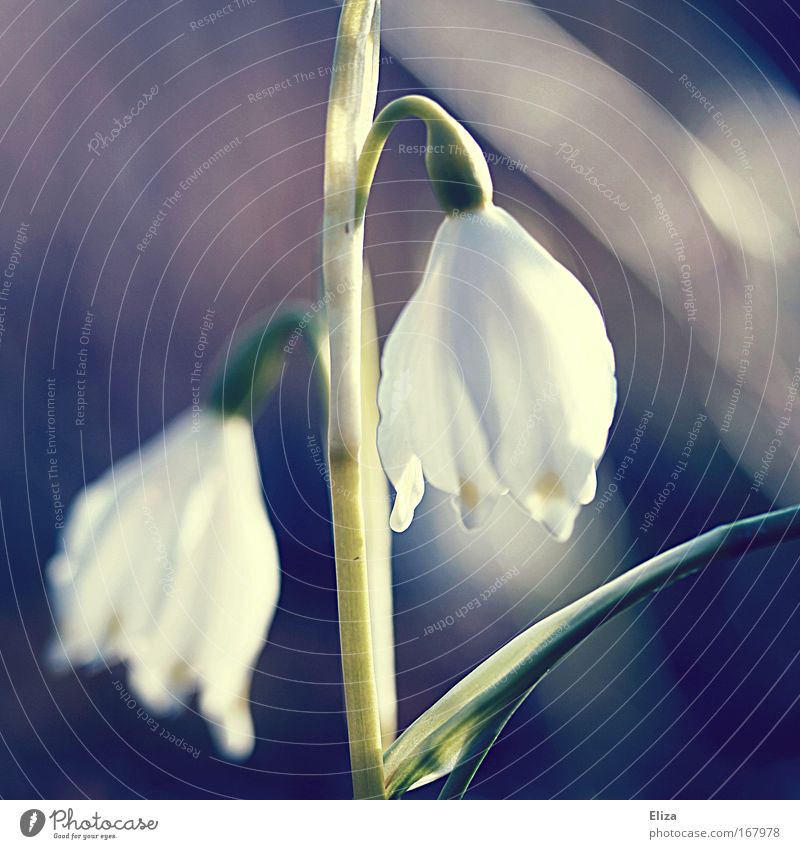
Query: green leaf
[(455, 734), (475, 750)]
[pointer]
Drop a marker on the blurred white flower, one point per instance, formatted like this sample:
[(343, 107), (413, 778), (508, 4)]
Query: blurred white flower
[(168, 562), (497, 378)]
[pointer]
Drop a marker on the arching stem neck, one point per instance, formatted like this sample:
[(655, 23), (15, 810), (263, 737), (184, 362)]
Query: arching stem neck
[(456, 166)]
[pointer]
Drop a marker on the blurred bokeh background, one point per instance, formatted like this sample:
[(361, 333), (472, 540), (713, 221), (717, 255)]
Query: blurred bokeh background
[(651, 147)]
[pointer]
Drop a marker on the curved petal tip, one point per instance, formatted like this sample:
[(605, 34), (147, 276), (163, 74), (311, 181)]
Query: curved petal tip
[(473, 508), (410, 488), (550, 505), (233, 730)]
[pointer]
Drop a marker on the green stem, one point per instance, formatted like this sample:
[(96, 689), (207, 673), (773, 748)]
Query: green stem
[(361, 698), (350, 110), (456, 165), (376, 513)]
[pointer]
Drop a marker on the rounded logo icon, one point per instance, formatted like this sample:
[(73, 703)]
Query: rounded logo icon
[(31, 822)]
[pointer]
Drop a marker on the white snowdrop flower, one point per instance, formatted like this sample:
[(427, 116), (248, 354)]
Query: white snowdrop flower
[(497, 378), (168, 562)]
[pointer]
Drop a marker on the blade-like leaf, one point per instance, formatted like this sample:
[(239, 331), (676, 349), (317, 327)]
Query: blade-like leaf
[(454, 735), (475, 750)]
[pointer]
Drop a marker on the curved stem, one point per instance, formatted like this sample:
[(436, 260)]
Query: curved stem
[(456, 165), (410, 106)]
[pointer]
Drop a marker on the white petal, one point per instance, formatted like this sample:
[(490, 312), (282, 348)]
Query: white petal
[(160, 687), (550, 504), (401, 465), (231, 727), (428, 419), (589, 488), (507, 375), (171, 564), (216, 618), (473, 505), (410, 486), (109, 553)]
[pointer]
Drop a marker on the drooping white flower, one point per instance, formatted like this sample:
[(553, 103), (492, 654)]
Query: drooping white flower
[(498, 378), (168, 562)]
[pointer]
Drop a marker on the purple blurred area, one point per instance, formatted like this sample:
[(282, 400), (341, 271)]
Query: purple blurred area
[(208, 197)]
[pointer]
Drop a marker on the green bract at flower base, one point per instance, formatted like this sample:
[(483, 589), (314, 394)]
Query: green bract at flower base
[(456, 165), (455, 734), (252, 367)]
